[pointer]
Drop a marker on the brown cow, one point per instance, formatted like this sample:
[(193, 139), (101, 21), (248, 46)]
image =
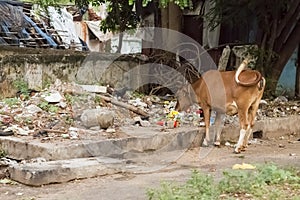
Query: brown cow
[(231, 92)]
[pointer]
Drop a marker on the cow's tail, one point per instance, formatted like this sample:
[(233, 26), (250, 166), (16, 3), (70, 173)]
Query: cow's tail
[(241, 68)]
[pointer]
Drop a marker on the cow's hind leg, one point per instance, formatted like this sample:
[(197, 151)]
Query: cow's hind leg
[(251, 117), (243, 117), (219, 124)]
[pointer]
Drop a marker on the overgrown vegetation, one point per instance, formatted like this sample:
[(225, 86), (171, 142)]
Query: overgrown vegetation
[(2, 153), (265, 182), (11, 101), (48, 107), (22, 88)]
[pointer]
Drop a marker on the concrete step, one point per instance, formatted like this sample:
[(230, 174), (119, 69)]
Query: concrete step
[(147, 149), (59, 171), (41, 173), (142, 139)]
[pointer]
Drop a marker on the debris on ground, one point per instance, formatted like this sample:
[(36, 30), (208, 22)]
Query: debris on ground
[(69, 111)]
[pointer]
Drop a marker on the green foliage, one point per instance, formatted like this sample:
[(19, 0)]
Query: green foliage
[(70, 99), (120, 16), (200, 186), (266, 182), (48, 107), (11, 101), (22, 87), (2, 153)]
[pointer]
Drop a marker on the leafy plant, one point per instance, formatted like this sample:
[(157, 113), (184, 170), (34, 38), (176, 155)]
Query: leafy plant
[(11, 101), (2, 153), (22, 87), (48, 107), (266, 182)]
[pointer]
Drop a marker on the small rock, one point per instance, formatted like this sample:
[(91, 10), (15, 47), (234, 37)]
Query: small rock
[(33, 109), (19, 131), (94, 88), (65, 136), (145, 123), (38, 160), (227, 144), (97, 117), (281, 137), (281, 99), (292, 154), (54, 97), (110, 130), (137, 119), (62, 104), (281, 146), (73, 135)]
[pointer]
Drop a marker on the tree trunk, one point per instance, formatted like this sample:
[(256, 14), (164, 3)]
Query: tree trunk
[(120, 42), (297, 86), (284, 55)]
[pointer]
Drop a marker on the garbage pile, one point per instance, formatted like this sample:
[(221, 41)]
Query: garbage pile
[(71, 111)]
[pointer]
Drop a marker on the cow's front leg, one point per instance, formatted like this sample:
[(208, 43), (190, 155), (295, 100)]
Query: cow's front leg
[(219, 124)]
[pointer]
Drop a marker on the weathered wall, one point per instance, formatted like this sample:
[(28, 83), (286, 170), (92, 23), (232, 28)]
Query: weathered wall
[(40, 67)]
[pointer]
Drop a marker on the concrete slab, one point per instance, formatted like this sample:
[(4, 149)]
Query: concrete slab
[(147, 140), (37, 174)]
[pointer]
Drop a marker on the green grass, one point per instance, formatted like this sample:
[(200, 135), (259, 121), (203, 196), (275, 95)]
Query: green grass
[(11, 101), (265, 182)]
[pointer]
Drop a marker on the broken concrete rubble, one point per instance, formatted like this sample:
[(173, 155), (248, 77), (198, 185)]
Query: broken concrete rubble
[(97, 117)]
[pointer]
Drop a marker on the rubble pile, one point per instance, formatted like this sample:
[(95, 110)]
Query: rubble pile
[(73, 111)]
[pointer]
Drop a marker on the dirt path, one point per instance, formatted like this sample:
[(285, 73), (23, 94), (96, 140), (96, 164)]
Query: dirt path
[(283, 152)]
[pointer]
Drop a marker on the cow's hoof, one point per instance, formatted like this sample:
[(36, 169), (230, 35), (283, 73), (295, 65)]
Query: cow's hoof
[(205, 143), (237, 150), (217, 144), (243, 148)]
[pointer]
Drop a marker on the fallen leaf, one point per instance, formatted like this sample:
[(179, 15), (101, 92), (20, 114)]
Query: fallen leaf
[(243, 166)]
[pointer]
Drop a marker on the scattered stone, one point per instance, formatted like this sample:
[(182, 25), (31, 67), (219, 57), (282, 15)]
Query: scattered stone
[(281, 145), (94, 88), (7, 181), (281, 99), (33, 109), (110, 130), (97, 117), (19, 131), (292, 154), (65, 136), (54, 97), (145, 123), (137, 103), (227, 144), (38, 160), (281, 138), (62, 104), (73, 133), (5, 119)]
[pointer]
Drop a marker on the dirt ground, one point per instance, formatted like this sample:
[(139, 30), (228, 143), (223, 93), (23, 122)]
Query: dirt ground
[(284, 151)]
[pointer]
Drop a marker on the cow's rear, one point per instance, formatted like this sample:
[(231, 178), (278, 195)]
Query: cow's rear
[(232, 92)]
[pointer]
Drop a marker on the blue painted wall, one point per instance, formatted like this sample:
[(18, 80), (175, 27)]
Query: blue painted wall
[(287, 80)]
